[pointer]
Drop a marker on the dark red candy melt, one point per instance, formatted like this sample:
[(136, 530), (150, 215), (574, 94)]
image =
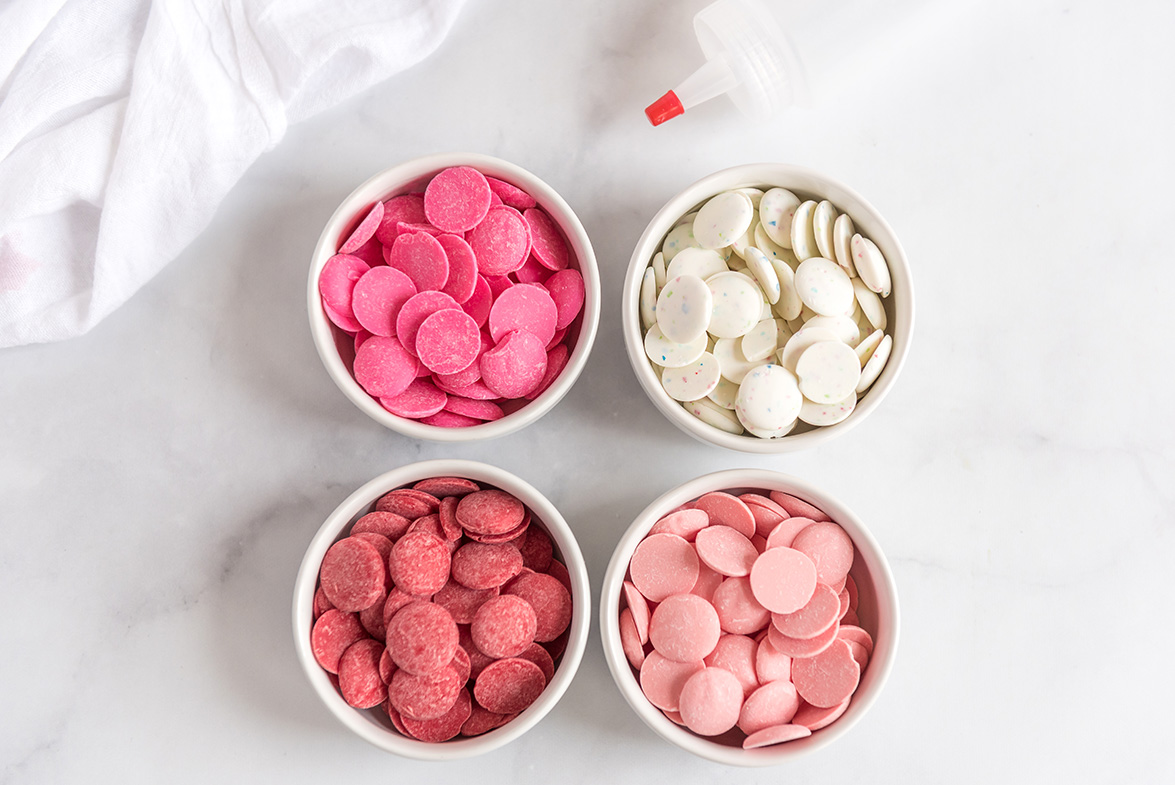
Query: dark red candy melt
[(333, 634), (359, 676), (353, 575), (509, 685)]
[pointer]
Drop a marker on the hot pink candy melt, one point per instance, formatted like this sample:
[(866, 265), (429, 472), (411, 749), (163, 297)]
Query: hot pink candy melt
[(771, 653), (424, 623), (456, 283)]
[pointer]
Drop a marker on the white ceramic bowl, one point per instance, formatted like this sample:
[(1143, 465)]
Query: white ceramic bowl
[(373, 725), (335, 347), (806, 184), (878, 611)]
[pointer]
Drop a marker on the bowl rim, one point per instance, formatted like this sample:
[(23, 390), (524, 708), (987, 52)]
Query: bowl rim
[(389, 182), (306, 584), (777, 175), (885, 645)]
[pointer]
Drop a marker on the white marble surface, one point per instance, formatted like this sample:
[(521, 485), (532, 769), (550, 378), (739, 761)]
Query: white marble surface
[(160, 477)]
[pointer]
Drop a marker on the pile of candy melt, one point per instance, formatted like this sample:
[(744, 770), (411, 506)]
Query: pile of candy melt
[(740, 612), (762, 310), (444, 607), (461, 300)]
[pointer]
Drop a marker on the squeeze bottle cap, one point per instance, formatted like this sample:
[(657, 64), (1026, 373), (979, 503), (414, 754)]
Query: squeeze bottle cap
[(748, 57)]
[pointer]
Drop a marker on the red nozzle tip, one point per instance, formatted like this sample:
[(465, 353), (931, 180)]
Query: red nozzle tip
[(664, 108)]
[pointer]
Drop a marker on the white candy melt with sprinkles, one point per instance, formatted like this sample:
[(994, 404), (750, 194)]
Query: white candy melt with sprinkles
[(761, 267), (769, 400), (664, 352), (723, 219), (695, 261), (871, 265), (648, 303), (694, 381), (684, 308), (764, 309), (776, 209), (824, 287), (803, 234), (737, 305), (828, 372)]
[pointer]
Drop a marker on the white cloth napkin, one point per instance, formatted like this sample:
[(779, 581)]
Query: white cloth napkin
[(123, 124)]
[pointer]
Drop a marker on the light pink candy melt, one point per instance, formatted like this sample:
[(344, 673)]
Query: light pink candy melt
[(828, 678), (663, 565), (727, 510), (639, 607), (798, 648), (710, 701), (772, 704), (775, 735), (798, 507), (736, 654), (820, 613), (684, 523), (783, 580), (662, 679), (726, 550), (829, 548), (784, 534), (684, 628), (780, 664)]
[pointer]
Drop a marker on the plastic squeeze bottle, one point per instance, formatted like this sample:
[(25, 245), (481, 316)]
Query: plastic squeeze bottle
[(748, 57)]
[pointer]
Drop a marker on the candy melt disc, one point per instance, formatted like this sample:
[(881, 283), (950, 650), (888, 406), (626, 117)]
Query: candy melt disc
[(737, 304), (776, 209), (684, 308), (870, 304), (693, 381), (827, 413), (798, 343), (731, 360), (723, 219), (765, 275), (679, 238), (842, 236), (824, 287), (868, 345), (871, 265), (760, 342), (695, 261), (823, 218), (876, 364), (648, 299), (769, 399), (669, 354), (828, 372), (712, 414), (803, 238)]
